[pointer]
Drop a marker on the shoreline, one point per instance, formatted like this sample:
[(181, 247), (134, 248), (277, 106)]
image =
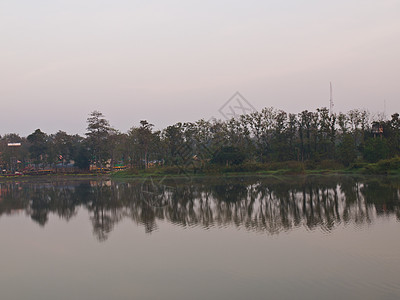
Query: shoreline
[(54, 177), (159, 173)]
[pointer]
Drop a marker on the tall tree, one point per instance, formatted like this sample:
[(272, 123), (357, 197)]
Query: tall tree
[(98, 131), (145, 137), (38, 148)]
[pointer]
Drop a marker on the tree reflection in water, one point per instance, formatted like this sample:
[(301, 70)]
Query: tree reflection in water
[(266, 205)]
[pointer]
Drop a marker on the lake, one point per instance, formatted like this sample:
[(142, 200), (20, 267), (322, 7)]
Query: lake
[(314, 237)]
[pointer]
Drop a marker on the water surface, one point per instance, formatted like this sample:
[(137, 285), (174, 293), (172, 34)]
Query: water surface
[(271, 238)]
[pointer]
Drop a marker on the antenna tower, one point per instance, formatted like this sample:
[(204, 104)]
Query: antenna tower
[(384, 109), (331, 99)]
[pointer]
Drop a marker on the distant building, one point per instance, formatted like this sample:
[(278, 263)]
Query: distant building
[(377, 129)]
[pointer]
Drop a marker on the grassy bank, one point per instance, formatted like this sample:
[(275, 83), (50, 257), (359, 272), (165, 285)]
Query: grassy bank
[(383, 167), (54, 177), (389, 167)]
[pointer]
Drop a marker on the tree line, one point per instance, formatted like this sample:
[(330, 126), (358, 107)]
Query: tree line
[(265, 136)]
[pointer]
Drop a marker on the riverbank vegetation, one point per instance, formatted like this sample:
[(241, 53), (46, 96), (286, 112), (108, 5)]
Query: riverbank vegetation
[(267, 141)]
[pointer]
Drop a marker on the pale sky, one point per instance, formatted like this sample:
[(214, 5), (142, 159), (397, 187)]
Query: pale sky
[(169, 61)]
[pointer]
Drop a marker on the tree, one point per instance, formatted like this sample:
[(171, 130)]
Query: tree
[(393, 134), (229, 156), (98, 132), (9, 156), (81, 157), (261, 129), (173, 140), (347, 150), (141, 143), (145, 136), (279, 141), (115, 144), (326, 140), (38, 147), (375, 149), (305, 124), (63, 146)]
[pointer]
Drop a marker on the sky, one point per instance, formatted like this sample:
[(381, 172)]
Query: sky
[(175, 61)]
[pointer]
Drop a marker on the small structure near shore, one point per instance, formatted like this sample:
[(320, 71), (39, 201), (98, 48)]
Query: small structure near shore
[(377, 129)]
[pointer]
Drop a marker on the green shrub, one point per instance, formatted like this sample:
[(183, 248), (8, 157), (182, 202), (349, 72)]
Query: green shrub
[(287, 166), (384, 166), (357, 165), (126, 173), (375, 150), (330, 164), (170, 170), (310, 165)]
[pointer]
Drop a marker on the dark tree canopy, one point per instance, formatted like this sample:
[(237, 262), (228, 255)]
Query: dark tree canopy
[(262, 137), (228, 156)]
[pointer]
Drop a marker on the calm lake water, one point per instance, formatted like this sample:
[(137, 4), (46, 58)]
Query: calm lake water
[(242, 238)]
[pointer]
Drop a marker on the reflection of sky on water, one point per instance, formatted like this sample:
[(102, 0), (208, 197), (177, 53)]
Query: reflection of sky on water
[(62, 261), (337, 240)]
